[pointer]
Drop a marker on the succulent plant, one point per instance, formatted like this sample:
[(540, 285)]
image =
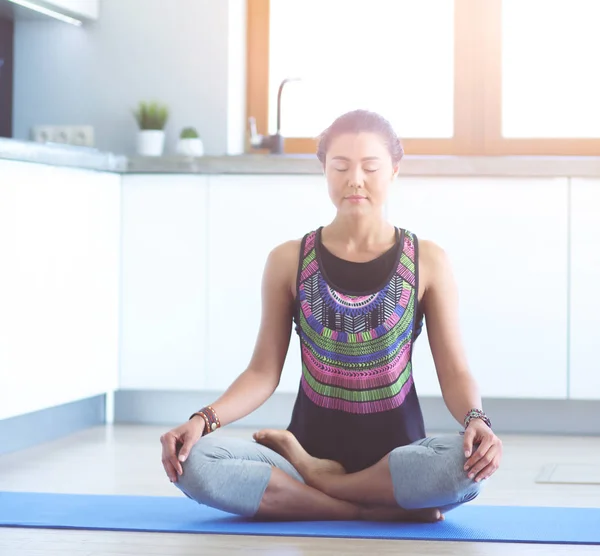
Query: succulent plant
[(151, 115), (189, 133)]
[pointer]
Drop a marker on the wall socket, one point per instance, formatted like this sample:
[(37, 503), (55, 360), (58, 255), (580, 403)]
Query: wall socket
[(79, 135)]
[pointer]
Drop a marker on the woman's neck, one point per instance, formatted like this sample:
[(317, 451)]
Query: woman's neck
[(359, 235)]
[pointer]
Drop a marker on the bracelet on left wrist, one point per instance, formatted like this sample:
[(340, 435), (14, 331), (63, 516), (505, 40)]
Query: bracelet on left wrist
[(477, 414)]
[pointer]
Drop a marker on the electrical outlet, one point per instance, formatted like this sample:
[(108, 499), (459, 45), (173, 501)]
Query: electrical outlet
[(42, 133), (82, 135), (61, 135)]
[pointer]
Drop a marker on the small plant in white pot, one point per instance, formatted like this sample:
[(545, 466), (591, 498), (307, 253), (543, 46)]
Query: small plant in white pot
[(189, 143), (151, 118)]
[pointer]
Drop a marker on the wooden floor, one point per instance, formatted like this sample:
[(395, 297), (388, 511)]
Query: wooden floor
[(126, 460)]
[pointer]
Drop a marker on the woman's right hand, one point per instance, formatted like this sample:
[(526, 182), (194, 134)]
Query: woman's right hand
[(186, 436)]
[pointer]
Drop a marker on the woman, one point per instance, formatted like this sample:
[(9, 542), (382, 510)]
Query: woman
[(358, 291)]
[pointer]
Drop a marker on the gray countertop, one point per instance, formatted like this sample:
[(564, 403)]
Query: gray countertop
[(61, 155), (92, 159)]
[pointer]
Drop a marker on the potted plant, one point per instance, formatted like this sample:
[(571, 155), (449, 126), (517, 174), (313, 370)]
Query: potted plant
[(189, 143), (151, 118)]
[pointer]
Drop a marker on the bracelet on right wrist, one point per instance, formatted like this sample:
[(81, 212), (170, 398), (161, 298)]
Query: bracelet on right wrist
[(211, 420), (205, 419)]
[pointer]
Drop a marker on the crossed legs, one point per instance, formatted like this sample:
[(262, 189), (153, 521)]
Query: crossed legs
[(274, 478), (428, 474)]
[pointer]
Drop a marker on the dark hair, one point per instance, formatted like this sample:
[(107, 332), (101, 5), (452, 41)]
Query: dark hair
[(359, 121)]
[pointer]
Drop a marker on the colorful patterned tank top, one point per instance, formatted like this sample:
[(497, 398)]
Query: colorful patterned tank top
[(357, 400)]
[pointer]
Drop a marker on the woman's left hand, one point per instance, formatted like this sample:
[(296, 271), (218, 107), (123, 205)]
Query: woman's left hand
[(486, 459)]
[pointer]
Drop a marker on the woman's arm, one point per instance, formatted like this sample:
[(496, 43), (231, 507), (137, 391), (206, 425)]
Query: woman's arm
[(260, 379), (256, 384), (458, 386), (459, 389)]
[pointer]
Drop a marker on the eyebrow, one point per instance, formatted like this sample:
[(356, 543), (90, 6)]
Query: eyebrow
[(366, 158)]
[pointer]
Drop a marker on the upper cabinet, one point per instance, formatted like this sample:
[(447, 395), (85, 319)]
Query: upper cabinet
[(87, 9), (82, 10)]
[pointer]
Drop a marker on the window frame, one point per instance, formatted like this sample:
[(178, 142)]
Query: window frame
[(477, 90)]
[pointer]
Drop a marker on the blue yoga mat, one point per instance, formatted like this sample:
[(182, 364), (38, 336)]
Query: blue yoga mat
[(182, 515)]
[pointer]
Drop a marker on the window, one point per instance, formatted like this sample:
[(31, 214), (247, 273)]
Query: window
[(453, 76), (395, 58), (550, 86)]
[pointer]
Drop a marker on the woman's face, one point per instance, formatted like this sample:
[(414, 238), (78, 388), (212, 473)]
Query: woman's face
[(359, 170)]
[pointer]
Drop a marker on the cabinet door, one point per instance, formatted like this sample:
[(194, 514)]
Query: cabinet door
[(59, 288), (507, 242), (164, 293), (585, 289), (249, 216)]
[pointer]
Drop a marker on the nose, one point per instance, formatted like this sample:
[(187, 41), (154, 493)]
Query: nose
[(356, 177)]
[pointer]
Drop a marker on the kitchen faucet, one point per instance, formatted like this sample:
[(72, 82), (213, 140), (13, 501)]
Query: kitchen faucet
[(272, 142)]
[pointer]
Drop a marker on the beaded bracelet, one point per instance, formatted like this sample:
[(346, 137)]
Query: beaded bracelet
[(211, 420), (477, 414)]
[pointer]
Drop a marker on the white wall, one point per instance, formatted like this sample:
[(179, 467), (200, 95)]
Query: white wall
[(236, 84), (59, 287), (186, 53)]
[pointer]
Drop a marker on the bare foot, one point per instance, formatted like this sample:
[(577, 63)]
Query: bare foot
[(427, 515), (313, 470)]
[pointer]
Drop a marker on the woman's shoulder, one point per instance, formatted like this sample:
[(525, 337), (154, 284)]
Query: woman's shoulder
[(285, 256), (287, 250), (434, 264), (283, 263), (430, 250)]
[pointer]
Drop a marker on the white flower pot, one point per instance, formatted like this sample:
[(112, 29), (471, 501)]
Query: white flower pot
[(190, 147), (150, 142)]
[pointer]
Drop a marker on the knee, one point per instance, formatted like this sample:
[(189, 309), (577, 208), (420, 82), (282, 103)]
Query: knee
[(464, 489), (206, 449), (432, 474), (195, 480), (218, 473), (460, 486)]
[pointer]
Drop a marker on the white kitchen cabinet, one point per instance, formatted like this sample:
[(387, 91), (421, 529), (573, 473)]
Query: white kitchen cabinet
[(249, 216), (585, 289), (59, 288), (507, 242), (164, 290)]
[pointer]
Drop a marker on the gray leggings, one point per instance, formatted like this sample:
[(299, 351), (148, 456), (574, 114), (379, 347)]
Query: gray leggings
[(232, 474)]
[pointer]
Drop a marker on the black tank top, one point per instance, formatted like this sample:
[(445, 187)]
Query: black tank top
[(340, 423)]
